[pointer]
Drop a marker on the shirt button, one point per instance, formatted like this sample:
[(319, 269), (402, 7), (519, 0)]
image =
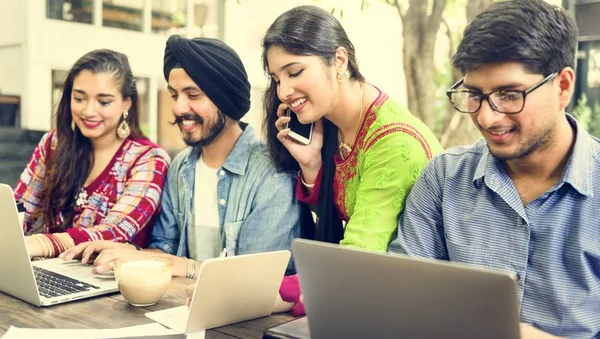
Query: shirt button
[(221, 173), (518, 276), (222, 202)]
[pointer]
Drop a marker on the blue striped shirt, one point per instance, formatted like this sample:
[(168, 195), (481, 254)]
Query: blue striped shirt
[(465, 208)]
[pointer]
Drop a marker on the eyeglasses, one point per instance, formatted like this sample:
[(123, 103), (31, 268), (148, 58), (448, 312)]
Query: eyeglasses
[(503, 101)]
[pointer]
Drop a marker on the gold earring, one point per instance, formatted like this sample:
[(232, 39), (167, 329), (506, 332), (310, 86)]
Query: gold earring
[(73, 125), (123, 130), (343, 76)]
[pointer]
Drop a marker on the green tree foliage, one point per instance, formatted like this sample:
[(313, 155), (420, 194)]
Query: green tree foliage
[(588, 117)]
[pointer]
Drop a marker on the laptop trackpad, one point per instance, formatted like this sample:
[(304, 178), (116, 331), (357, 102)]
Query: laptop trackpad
[(175, 318)]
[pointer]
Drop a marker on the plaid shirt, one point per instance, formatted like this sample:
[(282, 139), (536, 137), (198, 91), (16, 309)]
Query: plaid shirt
[(120, 202)]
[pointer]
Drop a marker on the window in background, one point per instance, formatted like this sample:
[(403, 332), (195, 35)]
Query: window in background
[(58, 77), (593, 81), (70, 10), (168, 16), (142, 85), (206, 19), (169, 136), (594, 65), (125, 14)]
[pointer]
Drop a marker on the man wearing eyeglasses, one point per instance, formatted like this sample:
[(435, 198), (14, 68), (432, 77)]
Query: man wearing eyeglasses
[(525, 198)]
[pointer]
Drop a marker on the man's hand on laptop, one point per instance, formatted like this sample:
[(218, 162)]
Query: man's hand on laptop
[(530, 332), (88, 251), (189, 292)]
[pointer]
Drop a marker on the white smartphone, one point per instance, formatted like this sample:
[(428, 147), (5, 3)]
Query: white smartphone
[(299, 132)]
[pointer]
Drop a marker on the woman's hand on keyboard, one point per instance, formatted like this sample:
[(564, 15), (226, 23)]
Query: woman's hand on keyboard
[(88, 251)]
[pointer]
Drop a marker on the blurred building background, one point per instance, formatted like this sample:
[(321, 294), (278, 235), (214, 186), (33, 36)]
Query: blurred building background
[(41, 39)]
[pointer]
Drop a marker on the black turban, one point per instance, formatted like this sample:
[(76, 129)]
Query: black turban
[(215, 68)]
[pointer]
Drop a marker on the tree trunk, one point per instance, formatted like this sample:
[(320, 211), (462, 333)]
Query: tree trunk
[(419, 30), (460, 129)]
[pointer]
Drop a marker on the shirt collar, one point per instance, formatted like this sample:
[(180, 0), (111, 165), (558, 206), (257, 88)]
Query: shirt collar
[(237, 160), (487, 163), (579, 166), (576, 173)]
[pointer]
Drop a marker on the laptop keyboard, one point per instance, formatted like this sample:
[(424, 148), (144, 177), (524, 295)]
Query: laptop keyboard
[(51, 284)]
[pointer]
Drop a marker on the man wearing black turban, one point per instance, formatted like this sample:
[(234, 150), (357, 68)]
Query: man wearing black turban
[(217, 72), (224, 191), (223, 194)]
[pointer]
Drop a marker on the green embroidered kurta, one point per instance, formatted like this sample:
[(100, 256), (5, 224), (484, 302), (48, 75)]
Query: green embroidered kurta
[(371, 184)]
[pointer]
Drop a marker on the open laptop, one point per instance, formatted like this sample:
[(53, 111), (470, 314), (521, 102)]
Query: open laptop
[(354, 294), (229, 290), (43, 282)]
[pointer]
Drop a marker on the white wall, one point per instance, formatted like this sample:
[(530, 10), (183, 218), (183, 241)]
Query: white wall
[(38, 45), (11, 70), (376, 33), (12, 22), (12, 37), (55, 44)]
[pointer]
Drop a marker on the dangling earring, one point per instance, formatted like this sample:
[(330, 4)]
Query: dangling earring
[(343, 76), (73, 125), (123, 130)]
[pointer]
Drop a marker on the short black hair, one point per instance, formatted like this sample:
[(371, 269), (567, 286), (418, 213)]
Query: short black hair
[(540, 36)]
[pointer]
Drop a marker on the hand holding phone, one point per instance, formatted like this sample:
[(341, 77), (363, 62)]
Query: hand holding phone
[(299, 132), (303, 142)]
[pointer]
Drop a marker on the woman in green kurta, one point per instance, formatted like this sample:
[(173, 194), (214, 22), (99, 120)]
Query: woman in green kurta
[(366, 150), (371, 183)]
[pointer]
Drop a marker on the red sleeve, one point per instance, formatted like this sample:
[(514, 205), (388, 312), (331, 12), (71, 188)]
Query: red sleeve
[(138, 203), (303, 196), (32, 181), (290, 292)]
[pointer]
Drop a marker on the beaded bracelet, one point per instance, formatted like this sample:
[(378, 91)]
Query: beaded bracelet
[(193, 273), (190, 271)]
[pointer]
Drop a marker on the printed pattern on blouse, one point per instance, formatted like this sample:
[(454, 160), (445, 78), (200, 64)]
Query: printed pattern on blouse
[(121, 201)]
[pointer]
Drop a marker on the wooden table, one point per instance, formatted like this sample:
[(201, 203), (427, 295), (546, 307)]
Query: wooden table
[(112, 311)]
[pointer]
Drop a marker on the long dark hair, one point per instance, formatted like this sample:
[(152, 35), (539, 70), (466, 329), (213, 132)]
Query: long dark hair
[(70, 163), (309, 30)]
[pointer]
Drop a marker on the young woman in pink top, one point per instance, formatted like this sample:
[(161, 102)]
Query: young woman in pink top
[(95, 176)]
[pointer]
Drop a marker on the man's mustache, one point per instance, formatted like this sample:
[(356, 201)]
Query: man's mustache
[(179, 119)]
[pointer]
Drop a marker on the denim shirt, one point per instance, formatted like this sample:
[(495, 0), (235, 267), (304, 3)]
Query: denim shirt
[(465, 208), (258, 209)]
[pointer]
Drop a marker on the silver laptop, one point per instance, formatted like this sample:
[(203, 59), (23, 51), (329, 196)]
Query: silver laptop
[(229, 290), (354, 294), (44, 282)]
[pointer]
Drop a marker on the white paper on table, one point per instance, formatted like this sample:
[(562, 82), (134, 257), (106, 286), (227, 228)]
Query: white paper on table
[(149, 330)]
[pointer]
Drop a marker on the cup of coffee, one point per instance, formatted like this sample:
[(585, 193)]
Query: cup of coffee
[(143, 281)]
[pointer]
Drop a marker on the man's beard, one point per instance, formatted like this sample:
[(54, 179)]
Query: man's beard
[(538, 142), (211, 131)]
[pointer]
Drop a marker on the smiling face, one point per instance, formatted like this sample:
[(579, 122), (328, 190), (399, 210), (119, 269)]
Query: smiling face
[(304, 83), (97, 105), (198, 118), (514, 136)]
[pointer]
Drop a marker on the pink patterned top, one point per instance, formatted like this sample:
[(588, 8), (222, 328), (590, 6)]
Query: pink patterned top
[(120, 202)]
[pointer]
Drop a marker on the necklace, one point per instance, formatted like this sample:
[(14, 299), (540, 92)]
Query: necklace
[(81, 198), (345, 149)]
